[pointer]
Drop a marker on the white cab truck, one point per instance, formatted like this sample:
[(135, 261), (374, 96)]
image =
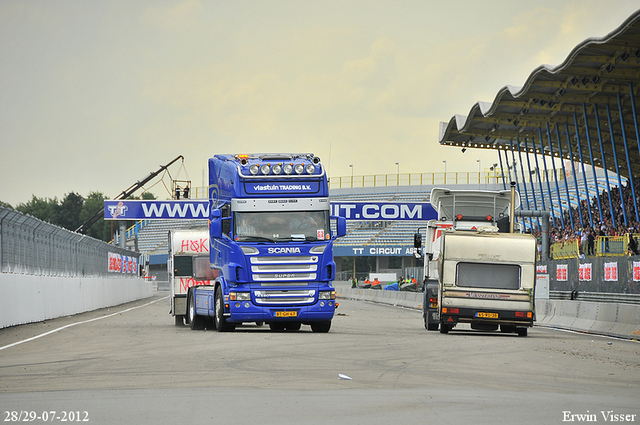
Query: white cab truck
[(188, 265), (478, 270)]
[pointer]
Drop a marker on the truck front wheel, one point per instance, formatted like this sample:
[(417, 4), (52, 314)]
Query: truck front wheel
[(219, 320), (196, 323), (321, 327)]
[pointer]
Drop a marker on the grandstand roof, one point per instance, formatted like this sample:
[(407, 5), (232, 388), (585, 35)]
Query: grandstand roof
[(600, 77)]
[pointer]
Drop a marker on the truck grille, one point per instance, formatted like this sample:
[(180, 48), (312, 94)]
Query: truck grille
[(305, 296), (284, 269)]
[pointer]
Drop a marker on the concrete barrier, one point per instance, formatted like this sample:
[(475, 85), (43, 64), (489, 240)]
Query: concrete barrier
[(611, 319), (28, 298)]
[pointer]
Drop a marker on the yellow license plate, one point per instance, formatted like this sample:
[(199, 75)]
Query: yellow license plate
[(286, 314), (487, 315), (433, 305)]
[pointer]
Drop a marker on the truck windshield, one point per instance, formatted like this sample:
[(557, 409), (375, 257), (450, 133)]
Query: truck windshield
[(281, 225)]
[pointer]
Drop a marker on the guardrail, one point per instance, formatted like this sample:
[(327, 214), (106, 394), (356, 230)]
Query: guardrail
[(601, 297)]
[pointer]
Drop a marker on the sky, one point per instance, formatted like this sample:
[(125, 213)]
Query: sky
[(96, 95)]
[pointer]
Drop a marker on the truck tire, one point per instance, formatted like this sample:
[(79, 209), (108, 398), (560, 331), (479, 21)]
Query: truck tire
[(196, 323), (522, 331), (444, 329), (429, 324), (277, 326), (219, 321), (293, 326), (321, 327)]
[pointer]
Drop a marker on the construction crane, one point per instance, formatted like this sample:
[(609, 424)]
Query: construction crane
[(124, 195)]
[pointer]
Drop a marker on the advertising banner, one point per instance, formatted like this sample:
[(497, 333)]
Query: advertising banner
[(190, 209), (148, 210), (636, 271), (373, 251), (122, 263), (584, 272), (611, 272), (562, 272), (379, 211)]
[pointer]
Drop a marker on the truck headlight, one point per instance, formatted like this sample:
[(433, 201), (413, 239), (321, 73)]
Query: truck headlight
[(239, 296), (327, 295)]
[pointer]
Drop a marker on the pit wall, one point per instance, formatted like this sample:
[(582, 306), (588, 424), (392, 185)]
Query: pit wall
[(28, 298), (610, 319)]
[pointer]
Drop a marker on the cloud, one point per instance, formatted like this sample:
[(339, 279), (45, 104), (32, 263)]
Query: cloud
[(181, 16)]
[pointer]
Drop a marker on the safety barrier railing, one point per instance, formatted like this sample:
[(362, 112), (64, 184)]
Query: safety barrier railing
[(564, 250), (607, 246), (31, 246)]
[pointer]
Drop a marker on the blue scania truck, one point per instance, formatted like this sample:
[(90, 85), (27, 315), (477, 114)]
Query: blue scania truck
[(271, 245)]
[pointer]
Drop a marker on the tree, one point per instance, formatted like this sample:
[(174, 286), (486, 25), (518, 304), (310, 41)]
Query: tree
[(67, 213), (39, 208), (93, 203)]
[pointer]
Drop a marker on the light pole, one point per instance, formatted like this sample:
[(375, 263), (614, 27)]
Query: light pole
[(398, 174), (351, 166), (445, 171), (479, 173)]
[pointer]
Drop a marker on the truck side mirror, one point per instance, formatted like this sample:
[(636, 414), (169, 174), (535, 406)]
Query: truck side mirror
[(417, 240), (341, 226), (215, 224)]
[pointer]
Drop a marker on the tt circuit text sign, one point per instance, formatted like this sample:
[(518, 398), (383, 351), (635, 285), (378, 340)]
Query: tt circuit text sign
[(384, 211)]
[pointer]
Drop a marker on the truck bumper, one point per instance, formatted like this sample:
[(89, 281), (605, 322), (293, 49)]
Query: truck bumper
[(471, 315), (246, 311)]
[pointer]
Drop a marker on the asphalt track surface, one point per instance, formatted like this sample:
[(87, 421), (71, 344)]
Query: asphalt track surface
[(131, 364)]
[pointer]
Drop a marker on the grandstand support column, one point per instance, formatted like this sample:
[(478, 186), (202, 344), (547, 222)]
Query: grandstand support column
[(593, 164), (573, 173), (626, 146), (533, 190), (546, 175), (604, 165), (524, 179), (615, 161), (584, 174), (564, 173), (515, 170), (555, 174), (544, 232), (535, 150), (123, 234)]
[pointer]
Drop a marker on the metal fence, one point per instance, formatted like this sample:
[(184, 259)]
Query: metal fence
[(31, 246)]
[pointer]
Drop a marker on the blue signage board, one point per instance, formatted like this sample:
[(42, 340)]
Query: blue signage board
[(373, 251), (149, 210), (380, 211), (190, 209)]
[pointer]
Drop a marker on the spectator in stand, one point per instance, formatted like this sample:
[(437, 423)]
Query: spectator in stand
[(633, 245)]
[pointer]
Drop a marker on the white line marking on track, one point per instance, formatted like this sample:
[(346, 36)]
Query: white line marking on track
[(79, 323)]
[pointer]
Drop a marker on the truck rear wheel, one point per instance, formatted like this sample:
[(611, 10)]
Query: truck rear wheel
[(321, 327), (196, 323), (444, 329), (429, 323), (219, 321)]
